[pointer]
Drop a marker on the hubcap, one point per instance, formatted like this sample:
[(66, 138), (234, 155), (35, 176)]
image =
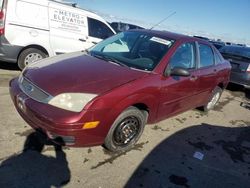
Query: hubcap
[(32, 57), (126, 131), (213, 101)]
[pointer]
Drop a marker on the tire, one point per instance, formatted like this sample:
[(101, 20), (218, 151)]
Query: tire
[(28, 56), (213, 100), (132, 121)]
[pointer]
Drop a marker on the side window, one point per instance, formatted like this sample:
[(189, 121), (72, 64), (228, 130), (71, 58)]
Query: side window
[(98, 29), (184, 57), (206, 55), (218, 59)]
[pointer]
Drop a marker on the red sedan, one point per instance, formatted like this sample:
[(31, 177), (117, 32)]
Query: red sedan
[(106, 95)]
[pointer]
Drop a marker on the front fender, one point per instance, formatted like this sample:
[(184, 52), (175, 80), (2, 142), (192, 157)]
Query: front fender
[(148, 100)]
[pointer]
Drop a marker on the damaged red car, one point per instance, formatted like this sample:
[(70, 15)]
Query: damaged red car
[(107, 94)]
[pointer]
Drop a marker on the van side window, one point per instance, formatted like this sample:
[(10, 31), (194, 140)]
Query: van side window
[(206, 55), (98, 29), (184, 57)]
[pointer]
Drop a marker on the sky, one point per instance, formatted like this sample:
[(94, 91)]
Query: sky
[(228, 20)]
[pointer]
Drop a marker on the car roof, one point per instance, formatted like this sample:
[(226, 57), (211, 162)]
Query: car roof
[(170, 35)]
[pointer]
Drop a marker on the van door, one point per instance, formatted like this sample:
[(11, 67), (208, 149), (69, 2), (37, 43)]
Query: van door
[(97, 31), (68, 28)]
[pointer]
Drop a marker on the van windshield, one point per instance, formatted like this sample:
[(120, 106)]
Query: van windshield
[(133, 49)]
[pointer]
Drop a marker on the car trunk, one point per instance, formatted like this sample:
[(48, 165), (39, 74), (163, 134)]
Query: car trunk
[(239, 64)]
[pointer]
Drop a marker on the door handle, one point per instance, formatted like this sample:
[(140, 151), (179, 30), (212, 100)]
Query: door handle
[(85, 40), (82, 40), (193, 78)]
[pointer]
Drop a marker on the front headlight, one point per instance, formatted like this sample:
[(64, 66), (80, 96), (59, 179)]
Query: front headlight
[(71, 101)]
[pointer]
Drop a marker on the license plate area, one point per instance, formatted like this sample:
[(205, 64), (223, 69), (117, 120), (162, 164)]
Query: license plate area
[(235, 66)]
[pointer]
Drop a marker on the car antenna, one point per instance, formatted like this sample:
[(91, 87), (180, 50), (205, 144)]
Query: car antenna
[(163, 20)]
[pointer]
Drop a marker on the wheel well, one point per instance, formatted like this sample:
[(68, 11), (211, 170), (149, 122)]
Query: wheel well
[(34, 46), (142, 107)]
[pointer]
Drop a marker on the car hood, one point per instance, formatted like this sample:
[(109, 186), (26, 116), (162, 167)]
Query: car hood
[(78, 73)]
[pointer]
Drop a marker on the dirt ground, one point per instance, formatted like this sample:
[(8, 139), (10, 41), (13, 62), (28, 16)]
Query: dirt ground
[(192, 149)]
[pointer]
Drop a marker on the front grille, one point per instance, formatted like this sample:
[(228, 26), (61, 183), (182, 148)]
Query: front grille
[(33, 91)]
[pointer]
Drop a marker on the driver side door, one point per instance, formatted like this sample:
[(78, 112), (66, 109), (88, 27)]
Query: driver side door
[(178, 92)]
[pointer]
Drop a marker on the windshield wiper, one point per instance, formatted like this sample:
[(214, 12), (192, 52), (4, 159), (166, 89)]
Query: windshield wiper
[(109, 58)]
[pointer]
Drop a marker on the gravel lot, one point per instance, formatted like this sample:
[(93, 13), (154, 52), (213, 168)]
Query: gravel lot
[(163, 157)]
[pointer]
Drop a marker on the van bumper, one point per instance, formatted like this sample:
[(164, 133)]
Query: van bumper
[(8, 52)]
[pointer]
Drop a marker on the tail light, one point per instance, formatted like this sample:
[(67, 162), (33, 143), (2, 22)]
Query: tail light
[(2, 16), (2, 19), (248, 69)]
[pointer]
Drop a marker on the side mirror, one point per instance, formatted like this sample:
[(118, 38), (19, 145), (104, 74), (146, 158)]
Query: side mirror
[(177, 71)]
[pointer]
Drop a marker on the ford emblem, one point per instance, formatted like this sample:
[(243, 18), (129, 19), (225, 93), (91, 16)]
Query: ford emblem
[(29, 88)]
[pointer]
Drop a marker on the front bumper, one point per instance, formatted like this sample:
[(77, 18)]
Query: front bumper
[(62, 126), (240, 78)]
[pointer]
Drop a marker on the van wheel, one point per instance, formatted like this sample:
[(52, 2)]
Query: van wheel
[(28, 56), (126, 130), (215, 96)]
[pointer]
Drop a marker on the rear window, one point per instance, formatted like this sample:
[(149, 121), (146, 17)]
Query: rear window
[(218, 58), (206, 55)]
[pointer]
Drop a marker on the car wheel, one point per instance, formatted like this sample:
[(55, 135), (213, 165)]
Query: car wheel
[(216, 94), (28, 56), (126, 130)]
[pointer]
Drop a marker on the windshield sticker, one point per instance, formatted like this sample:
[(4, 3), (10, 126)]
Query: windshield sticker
[(160, 40)]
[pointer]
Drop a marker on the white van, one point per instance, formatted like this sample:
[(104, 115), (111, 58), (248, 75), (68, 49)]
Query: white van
[(31, 30)]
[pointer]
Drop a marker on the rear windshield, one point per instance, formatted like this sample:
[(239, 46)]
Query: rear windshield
[(233, 50)]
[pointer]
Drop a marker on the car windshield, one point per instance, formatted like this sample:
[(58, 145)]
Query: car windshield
[(236, 51), (133, 49)]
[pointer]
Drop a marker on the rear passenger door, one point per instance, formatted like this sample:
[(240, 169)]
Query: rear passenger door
[(207, 72)]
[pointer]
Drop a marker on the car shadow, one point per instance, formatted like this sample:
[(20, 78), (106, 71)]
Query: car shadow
[(199, 156), (31, 168), (9, 66), (237, 90)]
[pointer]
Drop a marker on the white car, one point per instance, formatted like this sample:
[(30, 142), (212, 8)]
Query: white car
[(31, 30)]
